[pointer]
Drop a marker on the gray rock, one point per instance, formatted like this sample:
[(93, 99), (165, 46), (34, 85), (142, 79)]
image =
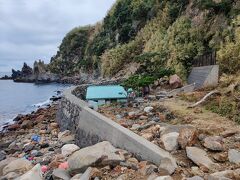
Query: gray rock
[(68, 149), (166, 167), (29, 148), (60, 174), (2, 155), (35, 173), (4, 163), (67, 139), (222, 175), (118, 117), (173, 128), (214, 143), (36, 153), (18, 165), (199, 157), (195, 178), (132, 113), (11, 175), (156, 119), (163, 178), (234, 156), (170, 141), (148, 109), (102, 153), (135, 126)]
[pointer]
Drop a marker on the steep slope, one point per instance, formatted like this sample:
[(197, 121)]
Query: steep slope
[(153, 34)]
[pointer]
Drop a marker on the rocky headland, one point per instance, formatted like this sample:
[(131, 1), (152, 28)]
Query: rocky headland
[(38, 74)]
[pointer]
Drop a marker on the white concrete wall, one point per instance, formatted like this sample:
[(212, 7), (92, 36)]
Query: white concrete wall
[(91, 127)]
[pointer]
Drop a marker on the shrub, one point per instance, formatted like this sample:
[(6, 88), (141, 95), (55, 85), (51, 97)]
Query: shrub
[(229, 53), (113, 60), (138, 81)]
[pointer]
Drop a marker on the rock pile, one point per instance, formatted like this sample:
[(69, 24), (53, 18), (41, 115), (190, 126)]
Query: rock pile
[(38, 150), (200, 154)]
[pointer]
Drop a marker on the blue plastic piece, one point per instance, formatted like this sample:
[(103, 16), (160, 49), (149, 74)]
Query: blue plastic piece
[(36, 138)]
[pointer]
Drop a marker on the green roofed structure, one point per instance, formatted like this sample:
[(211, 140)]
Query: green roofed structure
[(105, 94)]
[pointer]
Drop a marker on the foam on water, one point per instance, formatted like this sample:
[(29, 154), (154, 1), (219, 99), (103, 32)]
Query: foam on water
[(24, 98)]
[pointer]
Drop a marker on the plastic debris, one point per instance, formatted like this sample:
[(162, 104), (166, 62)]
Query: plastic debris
[(36, 138), (63, 165), (44, 169)]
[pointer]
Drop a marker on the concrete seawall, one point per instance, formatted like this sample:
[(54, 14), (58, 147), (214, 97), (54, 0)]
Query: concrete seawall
[(90, 127)]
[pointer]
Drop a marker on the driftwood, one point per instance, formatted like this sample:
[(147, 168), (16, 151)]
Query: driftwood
[(204, 98)]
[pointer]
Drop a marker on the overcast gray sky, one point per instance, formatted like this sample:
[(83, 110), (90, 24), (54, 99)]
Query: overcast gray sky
[(33, 29)]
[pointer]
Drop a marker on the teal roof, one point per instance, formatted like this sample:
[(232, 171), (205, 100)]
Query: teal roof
[(105, 92)]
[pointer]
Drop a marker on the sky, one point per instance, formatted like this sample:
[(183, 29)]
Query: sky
[(33, 29)]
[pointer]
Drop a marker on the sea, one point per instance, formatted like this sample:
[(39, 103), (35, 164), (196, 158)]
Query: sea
[(24, 98)]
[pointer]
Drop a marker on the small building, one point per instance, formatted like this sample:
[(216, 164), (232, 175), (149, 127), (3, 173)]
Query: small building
[(106, 94)]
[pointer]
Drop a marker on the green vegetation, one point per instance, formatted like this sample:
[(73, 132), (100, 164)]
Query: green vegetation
[(226, 107), (145, 79), (229, 53), (156, 34)]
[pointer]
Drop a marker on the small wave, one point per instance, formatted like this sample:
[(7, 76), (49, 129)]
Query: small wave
[(42, 104)]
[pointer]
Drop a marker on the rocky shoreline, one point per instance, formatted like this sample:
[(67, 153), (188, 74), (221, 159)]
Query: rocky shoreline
[(34, 148)]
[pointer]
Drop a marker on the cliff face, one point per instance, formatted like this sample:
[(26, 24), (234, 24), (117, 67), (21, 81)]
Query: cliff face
[(151, 34)]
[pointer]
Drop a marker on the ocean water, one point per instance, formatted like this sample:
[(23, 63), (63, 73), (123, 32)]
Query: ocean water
[(23, 98)]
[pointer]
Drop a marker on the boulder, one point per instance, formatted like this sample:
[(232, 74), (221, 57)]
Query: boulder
[(222, 175), (35, 173), (102, 153), (199, 157), (11, 175), (214, 143), (170, 141), (17, 166), (60, 174), (13, 127), (187, 137), (68, 149), (27, 124), (5, 163), (234, 156), (175, 81)]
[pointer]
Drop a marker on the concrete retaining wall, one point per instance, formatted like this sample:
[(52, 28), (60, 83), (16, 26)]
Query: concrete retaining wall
[(90, 127), (205, 76)]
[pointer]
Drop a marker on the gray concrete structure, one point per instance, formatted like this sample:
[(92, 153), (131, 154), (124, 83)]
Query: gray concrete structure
[(90, 127), (204, 76)]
